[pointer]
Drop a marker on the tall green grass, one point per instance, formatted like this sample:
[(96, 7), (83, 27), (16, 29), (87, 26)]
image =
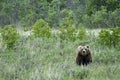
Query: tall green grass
[(51, 59)]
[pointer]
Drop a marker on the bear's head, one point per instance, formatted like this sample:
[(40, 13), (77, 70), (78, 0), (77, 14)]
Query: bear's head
[(83, 50)]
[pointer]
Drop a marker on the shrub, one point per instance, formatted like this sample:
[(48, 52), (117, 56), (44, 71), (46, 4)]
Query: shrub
[(67, 22), (115, 40), (68, 33), (110, 38), (9, 35), (71, 33), (41, 29), (100, 18), (81, 33), (105, 37)]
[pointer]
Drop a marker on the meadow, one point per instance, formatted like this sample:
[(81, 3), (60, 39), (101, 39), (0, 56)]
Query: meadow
[(38, 39), (54, 59)]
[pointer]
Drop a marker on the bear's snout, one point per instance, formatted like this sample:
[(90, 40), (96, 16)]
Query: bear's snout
[(84, 52)]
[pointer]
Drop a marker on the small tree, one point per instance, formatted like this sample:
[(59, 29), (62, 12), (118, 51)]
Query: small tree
[(68, 33), (9, 35), (110, 37), (115, 36), (105, 37), (71, 33), (41, 29), (81, 33)]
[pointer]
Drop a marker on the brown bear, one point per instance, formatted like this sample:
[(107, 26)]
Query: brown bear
[(83, 55)]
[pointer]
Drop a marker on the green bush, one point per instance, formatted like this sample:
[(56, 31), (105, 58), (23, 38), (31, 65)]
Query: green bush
[(100, 18), (67, 22), (115, 40), (9, 35), (71, 33), (68, 33), (110, 37), (105, 38), (81, 33), (41, 29)]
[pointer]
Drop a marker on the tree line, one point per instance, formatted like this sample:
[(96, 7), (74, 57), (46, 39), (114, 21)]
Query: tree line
[(57, 13)]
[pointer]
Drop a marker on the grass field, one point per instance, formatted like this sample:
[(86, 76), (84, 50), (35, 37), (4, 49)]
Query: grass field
[(53, 59)]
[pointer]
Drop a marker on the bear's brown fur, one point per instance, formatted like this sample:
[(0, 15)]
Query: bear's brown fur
[(83, 55)]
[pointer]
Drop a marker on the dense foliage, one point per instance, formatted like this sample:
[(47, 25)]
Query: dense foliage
[(41, 29), (89, 13), (68, 33), (96, 5), (9, 36), (110, 38)]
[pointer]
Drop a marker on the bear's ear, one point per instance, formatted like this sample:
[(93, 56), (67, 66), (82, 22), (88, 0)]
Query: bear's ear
[(79, 47), (87, 46)]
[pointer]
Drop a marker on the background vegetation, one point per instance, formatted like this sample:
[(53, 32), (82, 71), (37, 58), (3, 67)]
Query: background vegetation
[(38, 39), (91, 14)]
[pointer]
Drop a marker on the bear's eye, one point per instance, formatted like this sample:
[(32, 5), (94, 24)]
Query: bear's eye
[(87, 46)]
